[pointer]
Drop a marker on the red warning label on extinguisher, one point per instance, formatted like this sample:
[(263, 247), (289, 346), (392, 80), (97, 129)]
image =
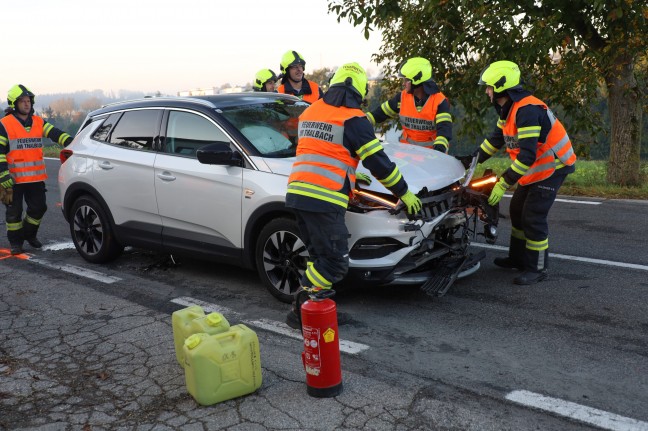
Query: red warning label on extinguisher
[(312, 358)]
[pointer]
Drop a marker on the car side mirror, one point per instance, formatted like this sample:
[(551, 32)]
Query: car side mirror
[(219, 153)]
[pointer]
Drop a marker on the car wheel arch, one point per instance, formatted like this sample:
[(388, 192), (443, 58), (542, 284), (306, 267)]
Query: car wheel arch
[(260, 218), (78, 190)]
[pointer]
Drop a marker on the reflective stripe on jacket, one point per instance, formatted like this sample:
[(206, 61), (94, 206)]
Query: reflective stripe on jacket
[(310, 98), (323, 163), (25, 156), (419, 128), (556, 152)]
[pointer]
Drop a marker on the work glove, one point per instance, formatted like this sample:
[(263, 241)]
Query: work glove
[(6, 196), (412, 202), (498, 192), (8, 183), (465, 160), (360, 177)]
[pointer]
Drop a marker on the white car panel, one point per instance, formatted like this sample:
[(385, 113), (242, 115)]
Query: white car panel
[(199, 199), (124, 178)]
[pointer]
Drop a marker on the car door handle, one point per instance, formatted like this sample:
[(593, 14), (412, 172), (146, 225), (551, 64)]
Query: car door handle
[(166, 176), (106, 165)]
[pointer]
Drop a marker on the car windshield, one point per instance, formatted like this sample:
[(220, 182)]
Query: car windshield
[(270, 127)]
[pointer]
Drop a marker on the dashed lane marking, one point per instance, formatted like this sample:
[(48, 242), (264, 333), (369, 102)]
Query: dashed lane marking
[(208, 307), (346, 346), (576, 258), (56, 246), (76, 270), (592, 416), (570, 201)]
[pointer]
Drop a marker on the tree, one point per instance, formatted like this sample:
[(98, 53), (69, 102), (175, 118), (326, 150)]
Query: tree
[(91, 104), (570, 52), (63, 107), (321, 76)]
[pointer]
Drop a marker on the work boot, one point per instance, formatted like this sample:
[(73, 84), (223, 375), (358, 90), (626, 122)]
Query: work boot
[(515, 258), (528, 278), (536, 263), (34, 242), (508, 263), (293, 318), (16, 249)]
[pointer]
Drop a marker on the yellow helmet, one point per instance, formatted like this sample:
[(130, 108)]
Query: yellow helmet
[(291, 58), (351, 74), (18, 91), (501, 75), (262, 77), (417, 69)]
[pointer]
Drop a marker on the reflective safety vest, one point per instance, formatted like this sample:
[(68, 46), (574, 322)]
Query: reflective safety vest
[(323, 163), (310, 98), (25, 157), (419, 128), (553, 154)]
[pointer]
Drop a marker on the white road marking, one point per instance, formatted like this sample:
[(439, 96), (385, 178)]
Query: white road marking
[(206, 306), (596, 417), (570, 201), (576, 258), (346, 346), (76, 270), (69, 245), (281, 328)]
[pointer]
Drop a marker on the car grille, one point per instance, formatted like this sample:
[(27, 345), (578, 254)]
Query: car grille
[(436, 204), (374, 248)]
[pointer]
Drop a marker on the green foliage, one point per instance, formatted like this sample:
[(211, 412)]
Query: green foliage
[(321, 76), (568, 50), (588, 180)]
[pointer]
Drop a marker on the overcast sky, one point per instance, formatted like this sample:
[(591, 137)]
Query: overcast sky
[(151, 45)]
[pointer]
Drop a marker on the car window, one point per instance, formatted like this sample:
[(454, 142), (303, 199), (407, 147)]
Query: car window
[(137, 129), (270, 127), (103, 131), (187, 132)]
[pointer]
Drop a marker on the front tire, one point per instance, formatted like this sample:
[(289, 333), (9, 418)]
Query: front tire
[(281, 257), (92, 232)]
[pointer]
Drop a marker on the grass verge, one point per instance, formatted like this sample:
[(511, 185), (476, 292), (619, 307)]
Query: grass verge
[(588, 180)]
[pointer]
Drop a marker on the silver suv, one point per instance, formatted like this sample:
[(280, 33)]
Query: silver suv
[(207, 176)]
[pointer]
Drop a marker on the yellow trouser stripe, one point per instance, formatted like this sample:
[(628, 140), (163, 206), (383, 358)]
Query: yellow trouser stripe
[(537, 245)]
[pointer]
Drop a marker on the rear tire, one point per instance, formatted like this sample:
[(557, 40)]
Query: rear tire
[(280, 256), (92, 232)]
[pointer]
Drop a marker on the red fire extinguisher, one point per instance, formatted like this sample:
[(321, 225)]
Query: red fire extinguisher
[(321, 355)]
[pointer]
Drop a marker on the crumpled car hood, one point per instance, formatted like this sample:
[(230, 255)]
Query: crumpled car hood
[(421, 167)]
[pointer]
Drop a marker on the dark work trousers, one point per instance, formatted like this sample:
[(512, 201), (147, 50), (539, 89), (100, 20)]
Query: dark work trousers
[(327, 239), (34, 196), (529, 210)]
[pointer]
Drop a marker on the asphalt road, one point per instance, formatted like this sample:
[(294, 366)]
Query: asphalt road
[(568, 353)]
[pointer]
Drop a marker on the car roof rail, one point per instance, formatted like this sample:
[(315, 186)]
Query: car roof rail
[(149, 98)]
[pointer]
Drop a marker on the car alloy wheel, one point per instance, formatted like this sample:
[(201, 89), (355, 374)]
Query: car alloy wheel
[(91, 231), (281, 258)]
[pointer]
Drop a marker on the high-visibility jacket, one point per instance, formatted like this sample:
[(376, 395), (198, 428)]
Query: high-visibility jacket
[(323, 163), (419, 128), (25, 156), (554, 153), (310, 98)]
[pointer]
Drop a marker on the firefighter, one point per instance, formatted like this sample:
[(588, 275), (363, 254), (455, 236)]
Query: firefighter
[(542, 156), (334, 135), (293, 81), (265, 80), (22, 167), (423, 111)]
